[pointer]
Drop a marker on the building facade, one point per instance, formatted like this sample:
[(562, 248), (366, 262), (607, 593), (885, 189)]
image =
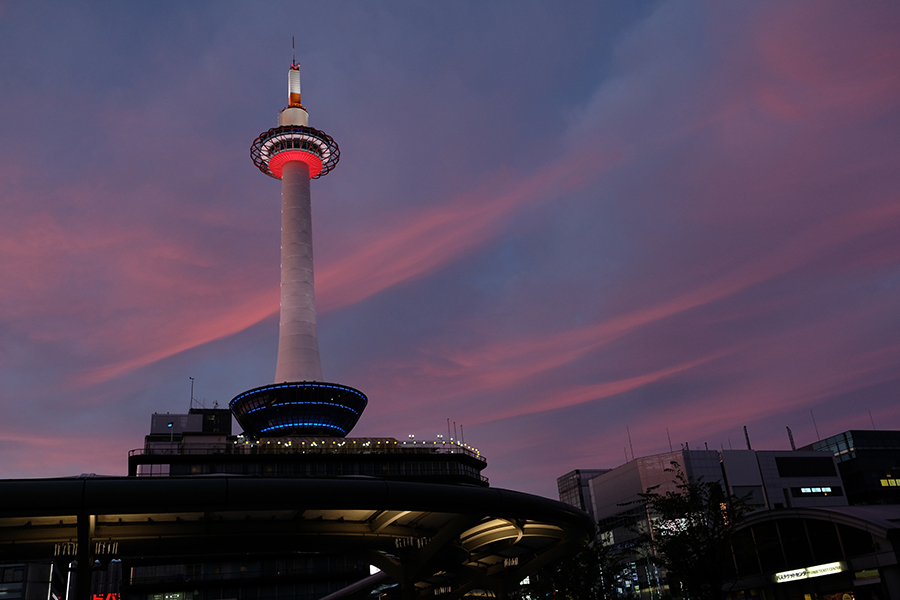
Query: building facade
[(803, 538), (574, 488), (201, 443), (869, 462)]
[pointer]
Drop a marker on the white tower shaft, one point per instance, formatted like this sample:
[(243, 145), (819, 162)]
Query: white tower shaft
[(298, 343)]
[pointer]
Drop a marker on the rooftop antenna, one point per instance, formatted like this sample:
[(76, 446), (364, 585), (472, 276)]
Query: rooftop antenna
[(791, 437), (630, 445), (192, 392), (293, 53), (818, 437), (669, 438), (747, 437), (873, 420)]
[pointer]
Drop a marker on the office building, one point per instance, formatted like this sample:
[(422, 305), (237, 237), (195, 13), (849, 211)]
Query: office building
[(574, 488), (802, 539), (869, 462)]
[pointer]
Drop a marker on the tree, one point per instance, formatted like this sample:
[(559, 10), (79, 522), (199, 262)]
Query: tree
[(589, 575), (691, 533)]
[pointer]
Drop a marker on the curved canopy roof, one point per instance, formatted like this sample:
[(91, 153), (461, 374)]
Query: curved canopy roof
[(430, 535)]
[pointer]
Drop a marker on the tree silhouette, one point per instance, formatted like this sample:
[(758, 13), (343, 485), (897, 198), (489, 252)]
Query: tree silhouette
[(691, 533), (589, 575)]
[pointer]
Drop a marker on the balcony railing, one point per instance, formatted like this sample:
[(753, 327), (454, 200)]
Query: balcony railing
[(176, 447)]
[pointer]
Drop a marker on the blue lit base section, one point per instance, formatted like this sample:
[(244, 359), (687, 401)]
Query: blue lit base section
[(306, 408)]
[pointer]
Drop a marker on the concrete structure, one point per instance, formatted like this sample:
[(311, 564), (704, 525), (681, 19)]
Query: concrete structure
[(783, 478), (294, 153), (299, 402), (255, 538)]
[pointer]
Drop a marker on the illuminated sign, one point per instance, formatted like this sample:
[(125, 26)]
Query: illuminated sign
[(673, 526), (111, 596), (808, 572)]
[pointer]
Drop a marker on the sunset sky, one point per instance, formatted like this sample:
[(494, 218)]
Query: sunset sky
[(552, 223)]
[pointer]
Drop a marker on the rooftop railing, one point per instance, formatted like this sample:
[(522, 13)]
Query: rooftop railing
[(308, 446)]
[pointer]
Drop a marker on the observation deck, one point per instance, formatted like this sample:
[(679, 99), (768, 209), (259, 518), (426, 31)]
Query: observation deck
[(299, 408), (279, 145)]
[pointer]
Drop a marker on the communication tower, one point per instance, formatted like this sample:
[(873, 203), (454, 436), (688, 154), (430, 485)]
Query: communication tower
[(299, 403)]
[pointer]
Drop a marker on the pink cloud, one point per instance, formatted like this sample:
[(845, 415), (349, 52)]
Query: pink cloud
[(27, 455), (148, 273), (828, 56), (183, 334), (503, 363), (426, 240), (573, 396), (421, 243)]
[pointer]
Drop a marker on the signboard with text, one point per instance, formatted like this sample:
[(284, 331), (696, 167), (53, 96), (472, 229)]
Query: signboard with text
[(808, 572)]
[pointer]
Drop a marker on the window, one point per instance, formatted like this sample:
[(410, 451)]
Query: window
[(812, 492), (805, 466)]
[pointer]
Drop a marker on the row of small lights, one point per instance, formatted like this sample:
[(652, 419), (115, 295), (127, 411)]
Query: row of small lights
[(252, 410), (297, 385), (293, 425), (367, 444), (452, 441), (266, 148)]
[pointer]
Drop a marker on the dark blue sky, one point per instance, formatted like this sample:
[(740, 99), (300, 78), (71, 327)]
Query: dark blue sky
[(550, 221)]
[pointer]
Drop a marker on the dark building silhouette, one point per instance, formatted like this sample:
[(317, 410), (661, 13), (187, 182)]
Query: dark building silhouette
[(869, 462), (574, 488)]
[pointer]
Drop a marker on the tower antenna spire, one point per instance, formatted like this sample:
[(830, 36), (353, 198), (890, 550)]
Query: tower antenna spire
[(293, 53)]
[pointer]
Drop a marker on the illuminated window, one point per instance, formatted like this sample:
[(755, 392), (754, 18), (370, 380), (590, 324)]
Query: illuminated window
[(800, 492)]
